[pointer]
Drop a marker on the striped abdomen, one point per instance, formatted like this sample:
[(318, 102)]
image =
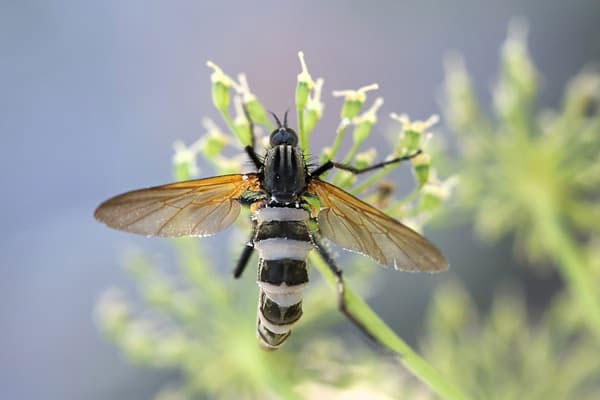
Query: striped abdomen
[(283, 242)]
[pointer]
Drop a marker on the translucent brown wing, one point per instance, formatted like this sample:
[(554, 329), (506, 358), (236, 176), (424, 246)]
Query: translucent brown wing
[(357, 226), (193, 208)]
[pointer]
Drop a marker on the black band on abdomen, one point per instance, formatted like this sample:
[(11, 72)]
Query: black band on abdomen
[(268, 339), (278, 315), (288, 271), (293, 230)]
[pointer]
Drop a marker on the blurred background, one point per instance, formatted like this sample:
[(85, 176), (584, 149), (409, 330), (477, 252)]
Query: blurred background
[(93, 95)]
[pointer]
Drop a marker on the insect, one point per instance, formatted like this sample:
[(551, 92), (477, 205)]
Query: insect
[(276, 194)]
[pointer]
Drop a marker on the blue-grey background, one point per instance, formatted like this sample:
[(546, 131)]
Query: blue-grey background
[(93, 94)]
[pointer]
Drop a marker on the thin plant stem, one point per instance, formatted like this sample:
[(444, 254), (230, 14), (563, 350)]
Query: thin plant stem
[(303, 136), (571, 266), (339, 135), (231, 125), (338, 140), (373, 179), (337, 178), (387, 338)]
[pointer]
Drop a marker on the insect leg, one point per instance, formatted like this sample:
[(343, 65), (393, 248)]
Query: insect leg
[(332, 164), (328, 258), (251, 124), (251, 149), (245, 256), (243, 261), (253, 157)]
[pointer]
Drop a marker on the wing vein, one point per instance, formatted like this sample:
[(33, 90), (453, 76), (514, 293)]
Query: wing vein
[(190, 208), (355, 225)]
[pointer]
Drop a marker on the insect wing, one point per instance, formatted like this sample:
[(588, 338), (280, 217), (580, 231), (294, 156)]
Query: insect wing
[(198, 207), (357, 226)]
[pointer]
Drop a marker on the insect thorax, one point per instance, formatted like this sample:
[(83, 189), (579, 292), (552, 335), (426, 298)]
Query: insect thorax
[(284, 173)]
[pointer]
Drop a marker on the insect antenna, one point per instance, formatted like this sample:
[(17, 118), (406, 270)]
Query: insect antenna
[(285, 119), (276, 119)]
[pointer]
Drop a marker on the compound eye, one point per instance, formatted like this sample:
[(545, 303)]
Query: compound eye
[(276, 138), (284, 136), (291, 137)]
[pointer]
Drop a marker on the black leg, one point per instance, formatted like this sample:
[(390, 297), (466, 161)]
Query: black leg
[(328, 258), (251, 123), (246, 254), (332, 164), (322, 169), (243, 261), (254, 157), (251, 150)]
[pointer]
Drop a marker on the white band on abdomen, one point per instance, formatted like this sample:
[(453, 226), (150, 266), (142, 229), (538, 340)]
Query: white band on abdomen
[(281, 214), (283, 295), (279, 248)]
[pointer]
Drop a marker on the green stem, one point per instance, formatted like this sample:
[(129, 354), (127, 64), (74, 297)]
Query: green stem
[(340, 133), (347, 160), (301, 132), (387, 338), (373, 179), (572, 267), (338, 140), (229, 121), (352, 152)]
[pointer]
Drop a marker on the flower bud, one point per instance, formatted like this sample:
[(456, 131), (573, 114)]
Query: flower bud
[(365, 158), (221, 84), (583, 92), (345, 179), (184, 160), (241, 123), (421, 167), (516, 88), (517, 63), (213, 140), (461, 103), (326, 154), (305, 84), (314, 107), (231, 165), (432, 196), (255, 109), (412, 132), (353, 100), (364, 123)]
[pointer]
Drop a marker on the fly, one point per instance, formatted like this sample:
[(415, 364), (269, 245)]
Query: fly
[(276, 195)]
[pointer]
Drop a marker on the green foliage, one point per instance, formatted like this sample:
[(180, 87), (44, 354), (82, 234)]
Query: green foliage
[(384, 335), (202, 324), (534, 176), (520, 167), (531, 175), (506, 355)]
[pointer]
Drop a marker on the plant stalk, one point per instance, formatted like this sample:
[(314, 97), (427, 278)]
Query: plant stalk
[(572, 267), (388, 339)]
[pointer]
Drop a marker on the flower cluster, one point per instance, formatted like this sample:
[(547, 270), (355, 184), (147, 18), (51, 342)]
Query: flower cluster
[(533, 174), (202, 324)]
